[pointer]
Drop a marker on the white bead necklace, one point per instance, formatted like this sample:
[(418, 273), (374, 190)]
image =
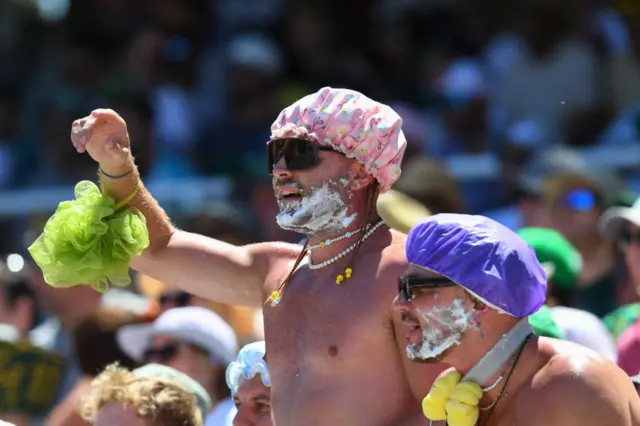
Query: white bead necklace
[(344, 252), (330, 241)]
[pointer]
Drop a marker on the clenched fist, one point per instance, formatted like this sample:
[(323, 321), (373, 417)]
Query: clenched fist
[(103, 134)]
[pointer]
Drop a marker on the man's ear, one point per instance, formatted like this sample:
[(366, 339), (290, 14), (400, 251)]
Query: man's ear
[(360, 177)]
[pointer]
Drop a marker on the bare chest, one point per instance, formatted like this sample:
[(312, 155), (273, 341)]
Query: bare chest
[(319, 325)]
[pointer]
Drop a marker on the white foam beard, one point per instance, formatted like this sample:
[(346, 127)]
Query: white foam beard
[(445, 327), (322, 211)]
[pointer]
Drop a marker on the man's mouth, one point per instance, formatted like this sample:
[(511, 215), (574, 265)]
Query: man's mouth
[(289, 194)]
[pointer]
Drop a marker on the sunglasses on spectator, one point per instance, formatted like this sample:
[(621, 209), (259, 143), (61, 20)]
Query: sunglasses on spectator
[(179, 299), (299, 154), (163, 354), (407, 285), (628, 237), (580, 200)]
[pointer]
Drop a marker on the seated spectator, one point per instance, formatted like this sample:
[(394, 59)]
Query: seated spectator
[(18, 306), (430, 183), (241, 318), (95, 347), (152, 395), (563, 264), (248, 380), (575, 201), (629, 349), (193, 340)]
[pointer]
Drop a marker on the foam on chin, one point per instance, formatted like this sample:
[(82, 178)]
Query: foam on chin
[(323, 211), (445, 326)]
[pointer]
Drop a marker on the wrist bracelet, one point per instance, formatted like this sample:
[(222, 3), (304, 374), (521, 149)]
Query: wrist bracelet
[(117, 176)]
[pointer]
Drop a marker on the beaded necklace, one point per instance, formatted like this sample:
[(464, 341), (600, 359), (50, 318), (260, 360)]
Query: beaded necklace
[(276, 296)]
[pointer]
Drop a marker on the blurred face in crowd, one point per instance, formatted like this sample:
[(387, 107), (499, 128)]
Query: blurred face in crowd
[(253, 401), (313, 197), (60, 301), (118, 415), (575, 212), (629, 242), (182, 356)]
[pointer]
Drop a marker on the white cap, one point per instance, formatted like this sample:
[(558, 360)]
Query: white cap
[(614, 218), (192, 324)]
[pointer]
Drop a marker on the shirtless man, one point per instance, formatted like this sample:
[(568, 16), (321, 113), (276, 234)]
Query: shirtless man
[(472, 283), (336, 346)]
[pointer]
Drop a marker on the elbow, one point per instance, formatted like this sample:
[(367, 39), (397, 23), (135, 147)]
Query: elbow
[(158, 243)]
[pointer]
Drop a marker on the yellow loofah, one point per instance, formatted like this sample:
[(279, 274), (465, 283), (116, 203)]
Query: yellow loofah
[(434, 404), (453, 401)]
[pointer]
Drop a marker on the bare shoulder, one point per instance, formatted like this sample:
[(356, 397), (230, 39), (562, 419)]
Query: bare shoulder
[(577, 387), (391, 262), (394, 257)]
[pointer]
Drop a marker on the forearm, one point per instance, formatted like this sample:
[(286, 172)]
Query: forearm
[(158, 223)]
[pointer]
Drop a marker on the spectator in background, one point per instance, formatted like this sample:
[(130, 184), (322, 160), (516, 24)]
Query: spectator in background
[(428, 182), (575, 200), (66, 309), (551, 77), (152, 395), (193, 340), (9, 149), (629, 349), (18, 306), (562, 264), (622, 224), (254, 67), (246, 322), (248, 380), (462, 92), (94, 347)]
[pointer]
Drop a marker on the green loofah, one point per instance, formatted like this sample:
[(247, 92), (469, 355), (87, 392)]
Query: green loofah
[(90, 241)]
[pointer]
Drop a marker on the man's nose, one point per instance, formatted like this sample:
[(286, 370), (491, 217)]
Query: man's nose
[(280, 170), (243, 418)]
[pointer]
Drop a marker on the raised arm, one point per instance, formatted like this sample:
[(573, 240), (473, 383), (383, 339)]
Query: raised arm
[(203, 266)]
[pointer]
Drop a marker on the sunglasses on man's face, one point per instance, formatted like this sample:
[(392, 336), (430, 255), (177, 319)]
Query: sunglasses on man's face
[(407, 285), (299, 154)]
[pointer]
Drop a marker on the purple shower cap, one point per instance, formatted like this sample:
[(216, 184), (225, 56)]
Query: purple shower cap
[(489, 260)]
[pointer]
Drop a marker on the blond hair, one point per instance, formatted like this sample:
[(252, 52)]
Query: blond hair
[(154, 399)]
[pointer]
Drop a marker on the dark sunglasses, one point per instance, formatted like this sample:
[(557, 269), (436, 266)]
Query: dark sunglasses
[(299, 154), (180, 299), (163, 354), (580, 200), (628, 238), (407, 284)]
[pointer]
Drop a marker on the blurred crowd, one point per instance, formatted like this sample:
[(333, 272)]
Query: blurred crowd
[(527, 111)]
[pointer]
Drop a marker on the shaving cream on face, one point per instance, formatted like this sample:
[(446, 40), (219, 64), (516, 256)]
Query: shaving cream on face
[(321, 212), (445, 325)]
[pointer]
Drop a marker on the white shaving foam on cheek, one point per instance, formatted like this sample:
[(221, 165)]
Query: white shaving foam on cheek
[(445, 327), (320, 212)]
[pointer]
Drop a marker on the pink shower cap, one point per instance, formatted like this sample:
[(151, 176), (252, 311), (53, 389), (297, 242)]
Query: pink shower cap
[(351, 123)]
